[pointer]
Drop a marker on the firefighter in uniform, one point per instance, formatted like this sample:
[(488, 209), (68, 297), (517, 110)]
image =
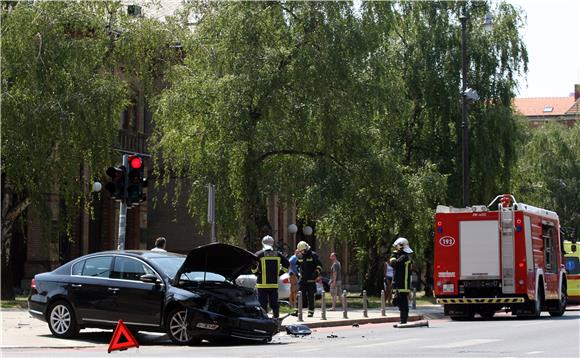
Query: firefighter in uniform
[(310, 268), (269, 267), (401, 263)]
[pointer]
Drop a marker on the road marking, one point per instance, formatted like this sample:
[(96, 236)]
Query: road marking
[(388, 343), (466, 343), (308, 350), (535, 352), (531, 323)]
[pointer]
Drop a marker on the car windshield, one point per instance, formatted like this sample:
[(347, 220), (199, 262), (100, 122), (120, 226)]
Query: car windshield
[(170, 265), (199, 276)]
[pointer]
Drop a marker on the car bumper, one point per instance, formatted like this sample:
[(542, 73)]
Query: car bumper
[(37, 309), (209, 324)]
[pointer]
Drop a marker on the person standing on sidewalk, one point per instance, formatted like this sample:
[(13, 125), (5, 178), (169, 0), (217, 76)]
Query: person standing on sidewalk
[(388, 284), (401, 262), (335, 279), (293, 277), (269, 267), (310, 268), (160, 243)]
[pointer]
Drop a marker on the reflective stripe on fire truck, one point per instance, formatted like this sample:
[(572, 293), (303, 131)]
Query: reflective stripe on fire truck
[(480, 300)]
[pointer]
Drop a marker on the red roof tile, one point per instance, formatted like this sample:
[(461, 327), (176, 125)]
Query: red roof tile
[(544, 106)]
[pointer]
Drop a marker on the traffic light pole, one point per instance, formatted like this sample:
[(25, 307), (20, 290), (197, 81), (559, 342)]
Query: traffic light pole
[(211, 210), (123, 209)]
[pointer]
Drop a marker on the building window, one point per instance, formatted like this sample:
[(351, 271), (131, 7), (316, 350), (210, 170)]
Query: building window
[(548, 109)]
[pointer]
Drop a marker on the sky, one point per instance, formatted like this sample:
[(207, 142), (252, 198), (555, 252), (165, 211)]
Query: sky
[(552, 37)]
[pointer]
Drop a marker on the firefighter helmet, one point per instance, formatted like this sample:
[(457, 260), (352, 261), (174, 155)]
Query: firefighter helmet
[(268, 242), (402, 244)]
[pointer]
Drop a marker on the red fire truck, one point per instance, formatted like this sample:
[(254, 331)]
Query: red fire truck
[(504, 255)]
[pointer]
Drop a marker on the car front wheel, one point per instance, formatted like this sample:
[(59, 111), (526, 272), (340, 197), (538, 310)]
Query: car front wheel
[(177, 327), (62, 321)]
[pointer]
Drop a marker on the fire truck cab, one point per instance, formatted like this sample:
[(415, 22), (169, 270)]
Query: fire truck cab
[(488, 258)]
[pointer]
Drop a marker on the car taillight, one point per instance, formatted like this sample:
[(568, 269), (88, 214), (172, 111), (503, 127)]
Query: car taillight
[(33, 284), (286, 280)]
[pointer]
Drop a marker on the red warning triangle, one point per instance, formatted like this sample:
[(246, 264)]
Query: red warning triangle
[(128, 341)]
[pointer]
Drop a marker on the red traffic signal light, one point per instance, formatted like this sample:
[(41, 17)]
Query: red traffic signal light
[(135, 162)]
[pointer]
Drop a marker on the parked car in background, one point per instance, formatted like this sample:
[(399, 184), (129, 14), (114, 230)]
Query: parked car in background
[(249, 281), (191, 297)]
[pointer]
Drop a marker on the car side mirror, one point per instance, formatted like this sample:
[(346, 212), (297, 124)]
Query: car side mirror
[(150, 278)]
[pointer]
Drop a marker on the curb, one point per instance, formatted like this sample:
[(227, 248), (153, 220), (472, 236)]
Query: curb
[(350, 322)]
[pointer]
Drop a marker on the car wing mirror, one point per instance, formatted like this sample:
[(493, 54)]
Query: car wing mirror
[(150, 278)]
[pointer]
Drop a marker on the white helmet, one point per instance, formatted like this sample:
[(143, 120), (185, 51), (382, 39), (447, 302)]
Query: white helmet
[(268, 242), (402, 243)]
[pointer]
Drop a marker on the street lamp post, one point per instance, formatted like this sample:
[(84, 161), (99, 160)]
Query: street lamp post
[(467, 96), (464, 124)]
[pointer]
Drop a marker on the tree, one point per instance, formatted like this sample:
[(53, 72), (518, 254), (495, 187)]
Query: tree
[(351, 111), (272, 98), (548, 171), (67, 70)]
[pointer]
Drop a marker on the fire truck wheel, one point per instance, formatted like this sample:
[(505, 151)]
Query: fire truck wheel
[(537, 304), (561, 304)]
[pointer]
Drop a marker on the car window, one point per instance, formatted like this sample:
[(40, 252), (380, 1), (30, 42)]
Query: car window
[(98, 266), (129, 269), (77, 268)]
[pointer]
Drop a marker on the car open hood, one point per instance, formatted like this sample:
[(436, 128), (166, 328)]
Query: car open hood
[(227, 260)]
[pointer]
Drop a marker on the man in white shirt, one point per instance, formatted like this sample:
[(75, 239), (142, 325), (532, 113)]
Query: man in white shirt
[(160, 245)]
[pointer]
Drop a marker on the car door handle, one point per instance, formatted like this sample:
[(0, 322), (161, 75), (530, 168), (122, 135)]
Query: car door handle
[(76, 285), (114, 290)]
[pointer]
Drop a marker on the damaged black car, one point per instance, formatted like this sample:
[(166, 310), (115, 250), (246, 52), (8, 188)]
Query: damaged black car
[(191, 297)]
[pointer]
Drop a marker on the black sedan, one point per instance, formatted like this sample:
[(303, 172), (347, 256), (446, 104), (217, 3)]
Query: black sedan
[(191, 297)]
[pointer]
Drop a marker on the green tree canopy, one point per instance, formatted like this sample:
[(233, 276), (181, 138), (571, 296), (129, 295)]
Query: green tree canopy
[(67, 73)]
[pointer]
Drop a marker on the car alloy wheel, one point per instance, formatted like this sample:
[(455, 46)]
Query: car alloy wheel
[(61, 320), (177, 327)]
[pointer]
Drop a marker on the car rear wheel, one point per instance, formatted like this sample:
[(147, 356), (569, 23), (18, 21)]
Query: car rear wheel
[(178, 327), (62, 321)]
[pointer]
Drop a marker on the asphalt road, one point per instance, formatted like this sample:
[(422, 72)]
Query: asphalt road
[(502, 336)]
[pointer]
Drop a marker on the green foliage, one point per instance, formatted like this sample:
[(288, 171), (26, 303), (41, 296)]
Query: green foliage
[(548, 172), (352, 112), (68, 71), (60, 100)]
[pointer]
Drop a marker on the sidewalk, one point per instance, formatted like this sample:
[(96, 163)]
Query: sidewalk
[(355, 316)]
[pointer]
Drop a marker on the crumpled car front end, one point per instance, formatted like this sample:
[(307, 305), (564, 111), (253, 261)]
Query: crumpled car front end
[(231, 312), (222, 308)]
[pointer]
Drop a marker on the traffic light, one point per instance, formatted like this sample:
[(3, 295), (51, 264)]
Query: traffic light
[(117, 184), (136, 180)]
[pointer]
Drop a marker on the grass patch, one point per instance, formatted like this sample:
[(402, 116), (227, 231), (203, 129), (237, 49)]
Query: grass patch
[(18, 302)]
